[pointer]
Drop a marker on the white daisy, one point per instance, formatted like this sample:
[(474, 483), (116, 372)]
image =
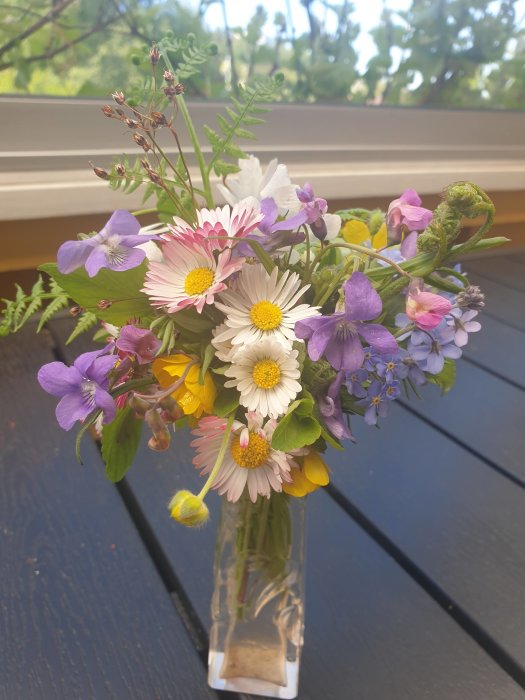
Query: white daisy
[(263, 306), (189, 275), (223, 349), (249, 461), (265, 374)]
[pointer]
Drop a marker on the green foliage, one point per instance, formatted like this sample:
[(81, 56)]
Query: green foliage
[(86, 321), (20, 310), (120, 441), (446, 378), (122, 290), (226, 403), (297, 427), (238, 118)]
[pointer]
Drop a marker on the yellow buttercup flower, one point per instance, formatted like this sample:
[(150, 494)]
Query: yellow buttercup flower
[(358, 233), (312, 474), (194, 398)]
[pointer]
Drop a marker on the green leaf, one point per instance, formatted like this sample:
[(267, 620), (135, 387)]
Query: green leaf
[(121, 288), (226, 402), (263, 256), (207, 356), (297, 427), (120, 441), (446, 378)]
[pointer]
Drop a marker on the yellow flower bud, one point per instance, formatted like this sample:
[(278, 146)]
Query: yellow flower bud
[(188, 509)]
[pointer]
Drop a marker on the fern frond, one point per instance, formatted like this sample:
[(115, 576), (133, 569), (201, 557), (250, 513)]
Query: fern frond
[(233, 125), (86, 321), (19, 311)]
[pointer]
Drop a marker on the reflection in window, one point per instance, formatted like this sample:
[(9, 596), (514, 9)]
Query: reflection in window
[(435, 53)]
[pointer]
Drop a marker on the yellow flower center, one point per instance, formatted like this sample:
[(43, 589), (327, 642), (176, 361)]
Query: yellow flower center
[(253, 455), (198, 280), (265, 315), (266, 374)]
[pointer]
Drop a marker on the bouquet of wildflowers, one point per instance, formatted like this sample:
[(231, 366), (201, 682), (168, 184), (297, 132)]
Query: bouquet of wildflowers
[(267, 325)]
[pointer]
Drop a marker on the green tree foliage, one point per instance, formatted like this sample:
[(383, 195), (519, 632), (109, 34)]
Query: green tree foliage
[(443, 53)]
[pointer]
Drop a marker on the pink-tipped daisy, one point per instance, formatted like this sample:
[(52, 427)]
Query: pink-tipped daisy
[(250, 461), (221, 226), (189, 275)]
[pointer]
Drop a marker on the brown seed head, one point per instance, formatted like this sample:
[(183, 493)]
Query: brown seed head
[(104, 304), (169, 91), (107, 110), (168, 76), (142, 142), (120, 169), (119, 98), (158, 119), (75, 311), (179, 89), (154, 55), (154, 177), (100, 172), (132, 123)]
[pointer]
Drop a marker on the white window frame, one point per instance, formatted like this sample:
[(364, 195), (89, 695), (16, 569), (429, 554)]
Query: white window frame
[(344, 151)]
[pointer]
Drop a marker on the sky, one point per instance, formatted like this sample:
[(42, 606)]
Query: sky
[(366, 14)]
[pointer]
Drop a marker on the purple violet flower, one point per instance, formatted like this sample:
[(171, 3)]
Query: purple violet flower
[(140, 343), (115, 247), (355, 381), (314, 208), (330, 407), (462, 323), (430, 348), (273, 234), (81, 388), (407, 211), (338, 336)]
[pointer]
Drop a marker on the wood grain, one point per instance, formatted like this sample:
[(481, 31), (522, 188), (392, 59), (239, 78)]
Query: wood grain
[(83, 611)]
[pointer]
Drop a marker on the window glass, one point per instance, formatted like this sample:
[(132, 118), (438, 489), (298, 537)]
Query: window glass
[(425, 53)]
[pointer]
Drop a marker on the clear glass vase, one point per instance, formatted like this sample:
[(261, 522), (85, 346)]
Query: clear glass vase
[(258, 599)]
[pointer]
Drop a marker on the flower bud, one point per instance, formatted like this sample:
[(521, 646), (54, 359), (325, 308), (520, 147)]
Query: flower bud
[(142, 142), (471, 298), (188, 509), (161, 438), (154, 55), (100, 172), (120, 169), (75, 311), (132, 123), (118, 96), (179, 89), (158, 119), (107, 110), (104, 304), (168, 76)]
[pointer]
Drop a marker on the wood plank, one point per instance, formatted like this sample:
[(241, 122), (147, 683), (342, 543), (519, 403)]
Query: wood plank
[(499, 348), (84, 613), (503, 303), (481, 411), (371, 631), (499, 268), (456, 519)]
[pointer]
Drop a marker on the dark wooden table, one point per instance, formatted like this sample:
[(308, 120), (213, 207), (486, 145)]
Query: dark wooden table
[(415, 561)]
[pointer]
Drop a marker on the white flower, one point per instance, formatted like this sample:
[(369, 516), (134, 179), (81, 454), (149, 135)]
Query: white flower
[(189, 275), (263, 306), (252, 182), (249, 460), (265, 374), (223, 350)]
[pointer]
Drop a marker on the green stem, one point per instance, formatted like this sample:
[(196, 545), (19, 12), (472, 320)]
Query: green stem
[(358, 249), (193, 135)]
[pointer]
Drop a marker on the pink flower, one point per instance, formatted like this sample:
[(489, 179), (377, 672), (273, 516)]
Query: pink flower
[(214, 224), (189, 274), (407, 211), (139, 343), (426, 309)]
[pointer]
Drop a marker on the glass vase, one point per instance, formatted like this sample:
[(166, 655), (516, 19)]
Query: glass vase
[(258, 599)]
